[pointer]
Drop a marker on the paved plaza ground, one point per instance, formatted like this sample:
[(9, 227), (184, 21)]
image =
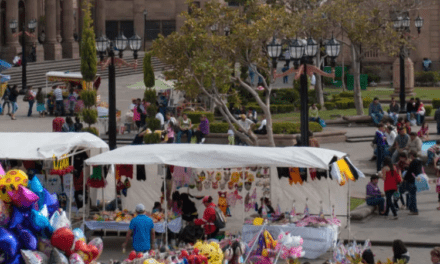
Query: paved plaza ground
[(420, 230)]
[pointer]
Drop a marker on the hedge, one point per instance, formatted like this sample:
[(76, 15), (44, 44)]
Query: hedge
[(428, 110), (436, 103), (152, 138), (346, 94), (427, 78), (92, 130), (89, 98), (195, 116), (152, 123), (278, 128), (346, 103), (274, 108), (329, 105)]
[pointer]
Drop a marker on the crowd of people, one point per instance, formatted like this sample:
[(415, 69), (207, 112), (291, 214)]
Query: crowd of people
[(415, 111)]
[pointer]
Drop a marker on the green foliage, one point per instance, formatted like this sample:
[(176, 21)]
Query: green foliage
[(274, 108), (329, 105), (293, 128), (219, 128), (90, 116), (429, 78), (149, 79), (436, 103), (88, 46), (195, 116), (150, 96), (285, 96), (152, 123), (373, 73), (151, 110), (367, 101), (346, 94), (336, 97), (428, 110), (89, 98), (92, 130), (347, 103), (152, 138)]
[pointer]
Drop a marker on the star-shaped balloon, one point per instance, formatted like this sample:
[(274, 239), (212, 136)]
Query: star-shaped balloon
[(51, 201), (23, 198)]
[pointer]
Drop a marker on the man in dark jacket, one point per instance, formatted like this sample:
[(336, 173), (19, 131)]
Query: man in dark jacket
[(411, 108), (394, 111), (415, 168)]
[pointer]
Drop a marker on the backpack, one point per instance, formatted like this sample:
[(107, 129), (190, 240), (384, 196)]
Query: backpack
[(220, 219)]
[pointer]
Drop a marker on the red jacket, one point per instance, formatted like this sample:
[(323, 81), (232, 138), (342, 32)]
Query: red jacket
[(392, 178), (208, 220)]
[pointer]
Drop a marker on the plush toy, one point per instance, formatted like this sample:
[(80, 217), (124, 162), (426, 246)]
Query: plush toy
[(222, 202), (289, 247), (212, 251)]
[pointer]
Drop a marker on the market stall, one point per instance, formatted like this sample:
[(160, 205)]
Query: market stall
[(212, 161), (48, 147)]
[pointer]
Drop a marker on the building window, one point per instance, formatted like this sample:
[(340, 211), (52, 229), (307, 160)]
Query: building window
[(113, 28), (155, 27), (372, 54), (194, 4)]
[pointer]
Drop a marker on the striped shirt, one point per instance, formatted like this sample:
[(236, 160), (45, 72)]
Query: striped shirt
[(58, 94)]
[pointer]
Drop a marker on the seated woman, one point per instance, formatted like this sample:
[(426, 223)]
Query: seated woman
[(266, 203), (423, 133), (374, 196)]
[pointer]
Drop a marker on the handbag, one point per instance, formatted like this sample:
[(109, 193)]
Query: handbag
[(322, 123), (422, 183), (396, 195), (27, 96)]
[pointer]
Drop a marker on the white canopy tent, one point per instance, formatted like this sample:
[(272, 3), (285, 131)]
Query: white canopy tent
[(43, 146)]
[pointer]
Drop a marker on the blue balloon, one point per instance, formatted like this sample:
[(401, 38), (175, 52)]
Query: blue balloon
[(9, 244), (51, 202), (27, 239), (35, 185), (18, 259), (17, 218), (40, 224)]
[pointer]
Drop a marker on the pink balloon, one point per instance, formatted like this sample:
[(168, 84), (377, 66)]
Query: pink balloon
[(23, 197)]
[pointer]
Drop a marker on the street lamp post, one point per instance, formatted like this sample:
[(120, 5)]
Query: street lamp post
[(303, 52), (103, 45), (402, 24), (13, 25), (145, 26)]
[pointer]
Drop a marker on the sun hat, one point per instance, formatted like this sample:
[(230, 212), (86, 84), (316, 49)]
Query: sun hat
[(140, 208)]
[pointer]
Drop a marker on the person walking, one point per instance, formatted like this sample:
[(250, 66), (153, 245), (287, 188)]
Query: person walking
[(394, 111), (59, 103), (391, 178), (415, 168), (381, 146), (375, 111), (142, 229), (13, 99), (73, 96), (285, 78), (374, 196), (7, 102), (420, 113), (40, 102), (30, 96)]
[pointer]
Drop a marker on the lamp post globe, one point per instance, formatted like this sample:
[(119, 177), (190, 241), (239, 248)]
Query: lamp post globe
[(13, 25), (311, 49), (32, 25), (274, 52), (406, 22), (296, 49), (121, 42), (419, 23), (101, 44), (332, 49), (227, 31), (135, 43), (397, 23)]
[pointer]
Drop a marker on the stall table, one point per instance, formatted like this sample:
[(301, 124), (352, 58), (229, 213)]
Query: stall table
[(317, 241)]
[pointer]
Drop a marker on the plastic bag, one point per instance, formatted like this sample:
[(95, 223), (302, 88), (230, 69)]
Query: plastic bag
[(33, 257), (59, 220), (422, 183)]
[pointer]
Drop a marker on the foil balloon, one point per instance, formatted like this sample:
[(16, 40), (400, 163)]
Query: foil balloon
[(45, 246), (87, 252), (44, 211), (23, 198), (17, 259), (17, 218), (5, 213), (57, 258), (79, 235), (33, 257), (99, 244), (39, 222), (27, 239), (10, 182), (9, 244), (50, 201), (75, 259), (35, 185), (63, 239)]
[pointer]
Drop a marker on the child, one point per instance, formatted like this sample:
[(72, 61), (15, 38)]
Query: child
[(432, 151), (413, 120), (50, 104), (423, 133), (400, 123), (408, 126), (435, 255), (157, 208), (231, 137)]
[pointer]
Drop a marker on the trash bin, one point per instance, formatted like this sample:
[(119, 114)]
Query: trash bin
[(363, 82)]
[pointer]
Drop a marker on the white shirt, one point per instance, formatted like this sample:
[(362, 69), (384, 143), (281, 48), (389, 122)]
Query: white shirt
[(246, 124), (263, 123), (132, 106), (159, 116), (230, 132), (58, 94), (391, 137), (313, 80)]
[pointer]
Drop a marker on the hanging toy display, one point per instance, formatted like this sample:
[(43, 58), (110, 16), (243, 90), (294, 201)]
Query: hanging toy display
[(61, 166), (96, 180), (218, 176), (215, 185), (222, 202)]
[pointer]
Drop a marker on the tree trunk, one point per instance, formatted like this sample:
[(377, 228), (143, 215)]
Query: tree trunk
[(358, 103), (269, 120), (344, 87), (319, 91)]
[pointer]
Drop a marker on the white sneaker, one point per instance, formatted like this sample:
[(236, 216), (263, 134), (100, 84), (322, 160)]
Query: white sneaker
[(202, 141)]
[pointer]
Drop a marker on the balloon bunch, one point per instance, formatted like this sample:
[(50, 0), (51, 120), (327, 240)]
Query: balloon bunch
[(30, 220), (350, 253), (194, 257), (289, 247)]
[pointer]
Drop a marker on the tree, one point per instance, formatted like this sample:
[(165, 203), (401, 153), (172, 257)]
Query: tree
[(367, 25), (88, 46), (148, 71), (205, 62)]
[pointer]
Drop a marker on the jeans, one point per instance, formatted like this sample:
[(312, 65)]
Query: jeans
[(390, 205), (14, 107), (188, 134), (376, 201), (394, 117), (377, 117), (402, 190), (240, 142), (431, 156), (31, 105), (420, 118), (199, 135), (381, 150), (315, 119), (60, 107), (412, 199), (285, 79)]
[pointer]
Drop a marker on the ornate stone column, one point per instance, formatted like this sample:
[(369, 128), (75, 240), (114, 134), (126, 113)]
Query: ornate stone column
[(409, 78), (100, 17), (52, 49), (58, 10), (12, 47), (31, 13), (70, 47)]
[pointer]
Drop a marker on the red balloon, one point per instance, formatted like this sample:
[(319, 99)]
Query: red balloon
[(63, 239), (87, 252), (139, 255), (132, 255)]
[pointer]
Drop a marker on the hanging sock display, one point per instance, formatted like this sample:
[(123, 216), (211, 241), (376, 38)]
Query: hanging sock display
[(345, 169), (140, 173), (294, 176), (96, 180), (123, 170)]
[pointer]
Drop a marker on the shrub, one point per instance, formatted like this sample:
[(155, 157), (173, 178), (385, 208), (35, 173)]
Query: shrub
[(367, 101), (285, 108), (149, 79), (89, 116), (92, 130), (373, 73), (345, 103), (150, 96), (436, 103), (152, 138), (293, 128), (428, 109), (328, 81), (88, 97), (428, 78), (152, 123), (218, 128), (285, 96), (373, 78), (195, 116), (329, 105), (255, 106), (346, 94), (336, 97), (151, 110)]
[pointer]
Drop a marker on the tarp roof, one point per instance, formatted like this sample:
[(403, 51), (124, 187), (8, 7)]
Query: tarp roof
[(40, 146), (217, 156), (57, 76), (159, 85)]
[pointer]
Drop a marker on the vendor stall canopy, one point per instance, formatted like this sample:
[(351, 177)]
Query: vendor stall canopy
[(217, 156), (41, 146)]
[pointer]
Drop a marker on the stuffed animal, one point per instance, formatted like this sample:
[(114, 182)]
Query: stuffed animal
[(212, 251)]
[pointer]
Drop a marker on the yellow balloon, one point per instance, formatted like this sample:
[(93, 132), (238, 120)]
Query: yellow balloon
[(10, 182)]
